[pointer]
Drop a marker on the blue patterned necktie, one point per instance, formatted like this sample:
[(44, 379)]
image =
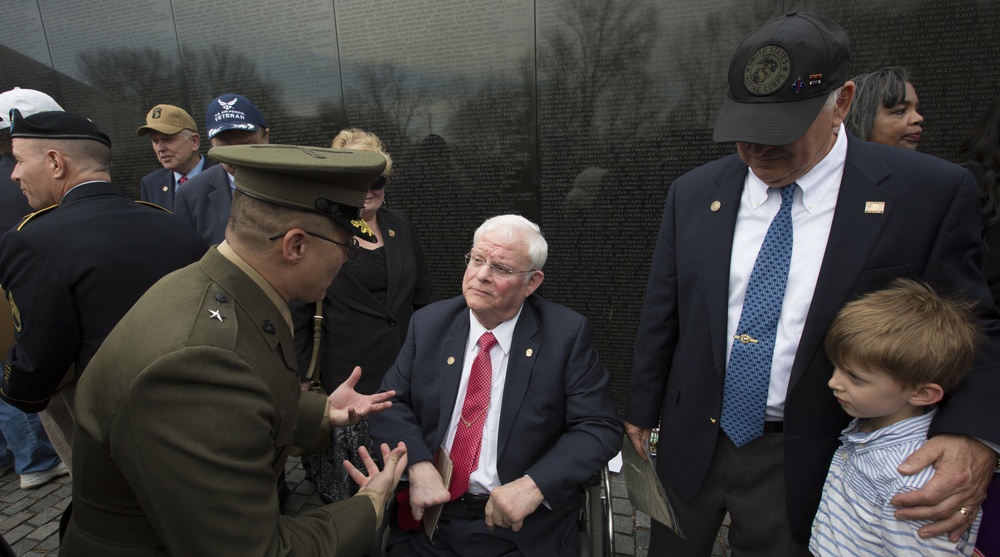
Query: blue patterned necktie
[(745, 396)]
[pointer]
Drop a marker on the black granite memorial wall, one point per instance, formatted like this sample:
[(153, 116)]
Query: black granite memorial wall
[(575, 113)]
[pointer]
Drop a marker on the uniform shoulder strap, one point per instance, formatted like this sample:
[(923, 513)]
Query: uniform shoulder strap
[(34, 215)]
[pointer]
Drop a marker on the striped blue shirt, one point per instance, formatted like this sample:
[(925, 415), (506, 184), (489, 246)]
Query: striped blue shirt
[(855, 516)]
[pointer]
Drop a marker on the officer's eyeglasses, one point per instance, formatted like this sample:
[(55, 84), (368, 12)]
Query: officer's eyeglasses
[(351, 246)]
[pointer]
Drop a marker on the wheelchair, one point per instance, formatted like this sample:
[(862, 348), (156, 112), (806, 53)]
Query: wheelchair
[(597, 535), (597, 528)]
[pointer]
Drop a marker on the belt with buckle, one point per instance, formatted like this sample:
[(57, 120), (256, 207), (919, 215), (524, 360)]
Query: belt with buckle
[(474, 501), (774, 427)]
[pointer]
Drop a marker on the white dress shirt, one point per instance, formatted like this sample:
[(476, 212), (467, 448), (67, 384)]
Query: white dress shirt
[(812, 216), (484, 478)]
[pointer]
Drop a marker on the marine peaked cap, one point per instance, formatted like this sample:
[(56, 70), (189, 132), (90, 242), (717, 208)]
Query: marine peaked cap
[(330, 182)]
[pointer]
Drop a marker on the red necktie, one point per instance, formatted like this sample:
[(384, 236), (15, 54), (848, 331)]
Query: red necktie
[(469, 435), (182, 180)]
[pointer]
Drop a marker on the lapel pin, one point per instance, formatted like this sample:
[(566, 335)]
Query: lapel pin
[(166, 188), (529, 352), (392, 233), (451, 360), (798, 84), (713, 420), (715, 206), (875, 207), (215, 314)]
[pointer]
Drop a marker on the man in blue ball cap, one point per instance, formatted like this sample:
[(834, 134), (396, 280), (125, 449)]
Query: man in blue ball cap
[(204, 201)]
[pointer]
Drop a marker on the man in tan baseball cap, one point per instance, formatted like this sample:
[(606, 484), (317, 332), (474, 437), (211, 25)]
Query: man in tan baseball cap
[(175, 140)]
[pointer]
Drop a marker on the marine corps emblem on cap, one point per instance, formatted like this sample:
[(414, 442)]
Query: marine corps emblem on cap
[(767, 70), (361, 225)]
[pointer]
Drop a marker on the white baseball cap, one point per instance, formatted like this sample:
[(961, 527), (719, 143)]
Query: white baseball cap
[(28, 101)]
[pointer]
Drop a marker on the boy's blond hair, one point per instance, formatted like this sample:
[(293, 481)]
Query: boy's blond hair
[(908, 331)]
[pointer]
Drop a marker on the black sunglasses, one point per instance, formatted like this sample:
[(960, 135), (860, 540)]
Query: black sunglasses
[(379, 183)]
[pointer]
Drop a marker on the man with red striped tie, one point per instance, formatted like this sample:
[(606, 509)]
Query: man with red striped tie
[(509, 386)]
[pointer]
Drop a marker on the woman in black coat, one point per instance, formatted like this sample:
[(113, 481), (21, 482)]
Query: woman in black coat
[(980, 153)]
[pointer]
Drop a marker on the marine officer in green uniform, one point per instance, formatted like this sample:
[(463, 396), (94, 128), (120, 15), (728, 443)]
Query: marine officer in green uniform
[(189, 409)]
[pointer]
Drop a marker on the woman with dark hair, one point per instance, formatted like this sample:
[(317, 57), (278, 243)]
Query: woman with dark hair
[(980, 153), (885, 109)]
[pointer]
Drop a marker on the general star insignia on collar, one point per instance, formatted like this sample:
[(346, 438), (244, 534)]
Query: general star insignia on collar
[(215, 315), (875, 207)]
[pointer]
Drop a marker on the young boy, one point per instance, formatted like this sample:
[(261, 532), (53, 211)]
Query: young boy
[(897, 352)]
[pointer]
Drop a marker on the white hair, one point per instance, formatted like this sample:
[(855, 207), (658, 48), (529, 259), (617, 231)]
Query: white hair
[(512, 227)]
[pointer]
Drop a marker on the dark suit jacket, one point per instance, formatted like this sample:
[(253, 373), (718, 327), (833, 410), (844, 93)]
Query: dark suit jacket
[(203, 202), (158, 186), (558, 422), (929, 230), (185, 420), (71, 272), (358, 329), (13, 204)]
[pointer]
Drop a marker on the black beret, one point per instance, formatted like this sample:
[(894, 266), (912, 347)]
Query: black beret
[(55, 125)]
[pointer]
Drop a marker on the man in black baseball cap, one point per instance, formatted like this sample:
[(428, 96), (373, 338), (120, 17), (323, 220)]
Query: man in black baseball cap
[(756, 254)]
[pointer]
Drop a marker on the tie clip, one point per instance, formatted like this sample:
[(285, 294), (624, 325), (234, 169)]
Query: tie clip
[(745, 339)]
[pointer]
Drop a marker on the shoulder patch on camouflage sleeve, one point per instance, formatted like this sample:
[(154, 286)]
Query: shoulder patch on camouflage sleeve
[(36, 214)]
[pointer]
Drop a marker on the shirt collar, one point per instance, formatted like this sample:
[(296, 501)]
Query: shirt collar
[(504, 332), (78, 185), (194, 171), (226, 251), (889, 434), (815, 184)]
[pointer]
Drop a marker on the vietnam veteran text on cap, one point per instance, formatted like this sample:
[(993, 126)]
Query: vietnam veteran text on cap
[(780, 78), (55, 125), (168, 119), (331, 182)]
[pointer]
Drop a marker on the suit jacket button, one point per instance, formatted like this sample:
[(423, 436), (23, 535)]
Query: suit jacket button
[(391, 322)]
